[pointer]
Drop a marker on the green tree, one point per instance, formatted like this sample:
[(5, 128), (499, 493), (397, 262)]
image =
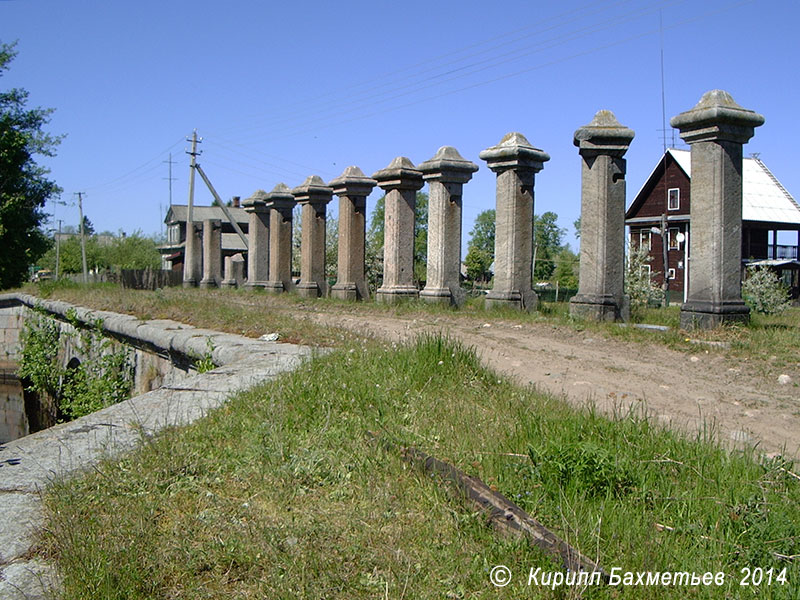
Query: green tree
[(374, 241), (566, 269), (24, 188), (135, 251), (88, 228), (547, 239), (480, 248), (331, 247)]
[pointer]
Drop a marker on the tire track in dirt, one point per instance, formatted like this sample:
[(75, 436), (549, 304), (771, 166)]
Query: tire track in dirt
[(690, 392)]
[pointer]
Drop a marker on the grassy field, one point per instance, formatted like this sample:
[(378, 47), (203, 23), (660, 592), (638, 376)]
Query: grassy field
[(768, 343), (281, 494)]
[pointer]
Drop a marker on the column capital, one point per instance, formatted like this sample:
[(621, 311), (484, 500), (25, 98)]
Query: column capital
[(448, 166), (604, 135), (401, 174), (256, 203), (514, 152), (281, 197), (717, 117), (313, 191), (352, 182)]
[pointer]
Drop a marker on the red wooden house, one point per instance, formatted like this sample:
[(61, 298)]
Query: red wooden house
[(767, 208)]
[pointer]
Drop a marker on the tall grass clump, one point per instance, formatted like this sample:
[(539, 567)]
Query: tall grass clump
[(283, 494)]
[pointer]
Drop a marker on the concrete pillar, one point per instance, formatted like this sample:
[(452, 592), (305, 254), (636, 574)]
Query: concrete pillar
[(192, 256), (516, 163), (233, 271), (401, 181), (257, 240), (352, 187), (602, 145), (446, 174), (313, 196), (212, 253), (280, 202), (716, 129)]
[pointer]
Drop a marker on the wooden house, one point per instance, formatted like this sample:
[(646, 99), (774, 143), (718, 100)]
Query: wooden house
[(172, 252), (767, 208)]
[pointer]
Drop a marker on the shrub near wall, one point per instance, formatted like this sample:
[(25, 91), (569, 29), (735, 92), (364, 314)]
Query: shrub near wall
[(103, 378)]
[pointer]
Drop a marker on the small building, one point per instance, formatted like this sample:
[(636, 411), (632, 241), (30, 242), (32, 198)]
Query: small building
[(172, 252), (767, 208)]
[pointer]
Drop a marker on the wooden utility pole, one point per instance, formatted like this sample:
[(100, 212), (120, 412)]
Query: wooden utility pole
[(83, 238), (58, 250), (221, 204), (193, 153)]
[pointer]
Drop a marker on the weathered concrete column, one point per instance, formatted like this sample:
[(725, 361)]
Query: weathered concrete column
[(401, 181), (280, 202), (192, 256), (233, 271), (516, 163), (602, 145), (352, 187), (716, 129), (446, 174), (257, 240), (212, 253), (313, 196)]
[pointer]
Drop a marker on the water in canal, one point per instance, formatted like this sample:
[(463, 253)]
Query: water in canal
[(13, 418)]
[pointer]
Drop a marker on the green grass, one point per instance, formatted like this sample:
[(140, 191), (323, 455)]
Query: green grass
[(281, 493), (769, 344)]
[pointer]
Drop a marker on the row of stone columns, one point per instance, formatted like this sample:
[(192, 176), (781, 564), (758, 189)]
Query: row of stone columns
[(514, 160), (716, 129)]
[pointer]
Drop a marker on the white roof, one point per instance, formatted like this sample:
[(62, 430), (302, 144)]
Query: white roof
[(763, 197)]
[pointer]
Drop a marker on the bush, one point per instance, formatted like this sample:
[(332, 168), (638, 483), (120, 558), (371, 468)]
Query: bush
[(764, 293), (639, 285)]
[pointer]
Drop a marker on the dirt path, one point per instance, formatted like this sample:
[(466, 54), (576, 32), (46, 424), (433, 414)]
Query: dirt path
[(685, 391)]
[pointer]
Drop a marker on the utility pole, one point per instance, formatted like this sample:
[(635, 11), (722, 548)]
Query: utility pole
[(171, 162), (83, 238), (58, 250), (193, 153), (170, 179), (191, 262)]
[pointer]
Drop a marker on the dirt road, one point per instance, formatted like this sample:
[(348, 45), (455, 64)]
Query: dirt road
[(685, 391)]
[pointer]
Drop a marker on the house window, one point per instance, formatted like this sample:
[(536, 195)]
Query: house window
[(671, 273), (673, 199), (674, 244), (644, 238), (174, 234)]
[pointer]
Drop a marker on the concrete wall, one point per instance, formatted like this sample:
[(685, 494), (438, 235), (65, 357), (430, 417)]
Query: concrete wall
[(31, 463)]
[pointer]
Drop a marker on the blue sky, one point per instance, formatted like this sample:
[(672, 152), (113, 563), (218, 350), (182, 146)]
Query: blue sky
[(280, 90)]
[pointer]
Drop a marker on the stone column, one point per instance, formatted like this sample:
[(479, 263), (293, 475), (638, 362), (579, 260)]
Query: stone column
[(516, 163), (192, 256), (602, 145), (716, 129), (446, 174), (313, 196), (233, 271), (227, 273), (281, 203), (257, 240), (212, 253), (401, 181), (352, 187)]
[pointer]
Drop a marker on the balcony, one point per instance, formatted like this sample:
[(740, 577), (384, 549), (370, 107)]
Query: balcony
[(782, 252)]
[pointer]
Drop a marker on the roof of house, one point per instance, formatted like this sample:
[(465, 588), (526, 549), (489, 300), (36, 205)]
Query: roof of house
[(178, 212), (230, 241), (763, 197)]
